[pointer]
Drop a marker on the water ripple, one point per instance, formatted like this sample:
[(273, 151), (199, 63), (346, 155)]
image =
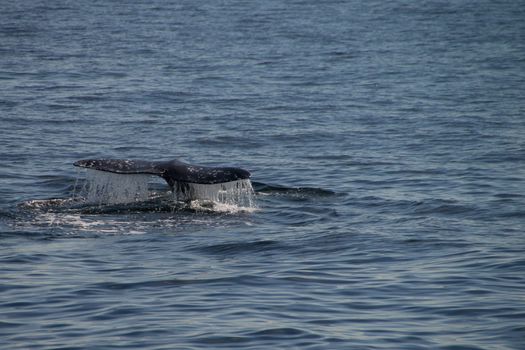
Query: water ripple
[(385, 142)]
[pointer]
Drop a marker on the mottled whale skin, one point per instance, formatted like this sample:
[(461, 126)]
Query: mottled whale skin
[(173, 171)]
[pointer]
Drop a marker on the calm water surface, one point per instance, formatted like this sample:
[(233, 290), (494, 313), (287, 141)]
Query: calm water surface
[(387, 146)]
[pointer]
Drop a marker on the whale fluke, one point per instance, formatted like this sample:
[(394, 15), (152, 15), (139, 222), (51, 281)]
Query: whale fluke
[(173, 171)]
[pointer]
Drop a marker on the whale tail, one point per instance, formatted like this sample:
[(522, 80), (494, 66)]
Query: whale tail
[(175, 172)]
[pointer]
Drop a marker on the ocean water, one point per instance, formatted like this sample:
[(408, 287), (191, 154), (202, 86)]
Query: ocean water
[(386, 142)]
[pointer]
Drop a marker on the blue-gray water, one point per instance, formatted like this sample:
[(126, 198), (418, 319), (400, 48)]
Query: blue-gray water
[(387, 145)]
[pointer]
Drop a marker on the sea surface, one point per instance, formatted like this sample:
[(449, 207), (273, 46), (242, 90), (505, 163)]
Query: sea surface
[(386, 142)]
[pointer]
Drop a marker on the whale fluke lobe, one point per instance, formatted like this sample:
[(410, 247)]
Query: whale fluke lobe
[(119, 166), (173, 171)]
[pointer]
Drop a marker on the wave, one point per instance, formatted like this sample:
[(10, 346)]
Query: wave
[(234, 248), (262, 188)]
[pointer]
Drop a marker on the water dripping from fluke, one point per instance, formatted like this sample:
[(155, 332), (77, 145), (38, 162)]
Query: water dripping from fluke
[(109, 188), (105, 189)]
